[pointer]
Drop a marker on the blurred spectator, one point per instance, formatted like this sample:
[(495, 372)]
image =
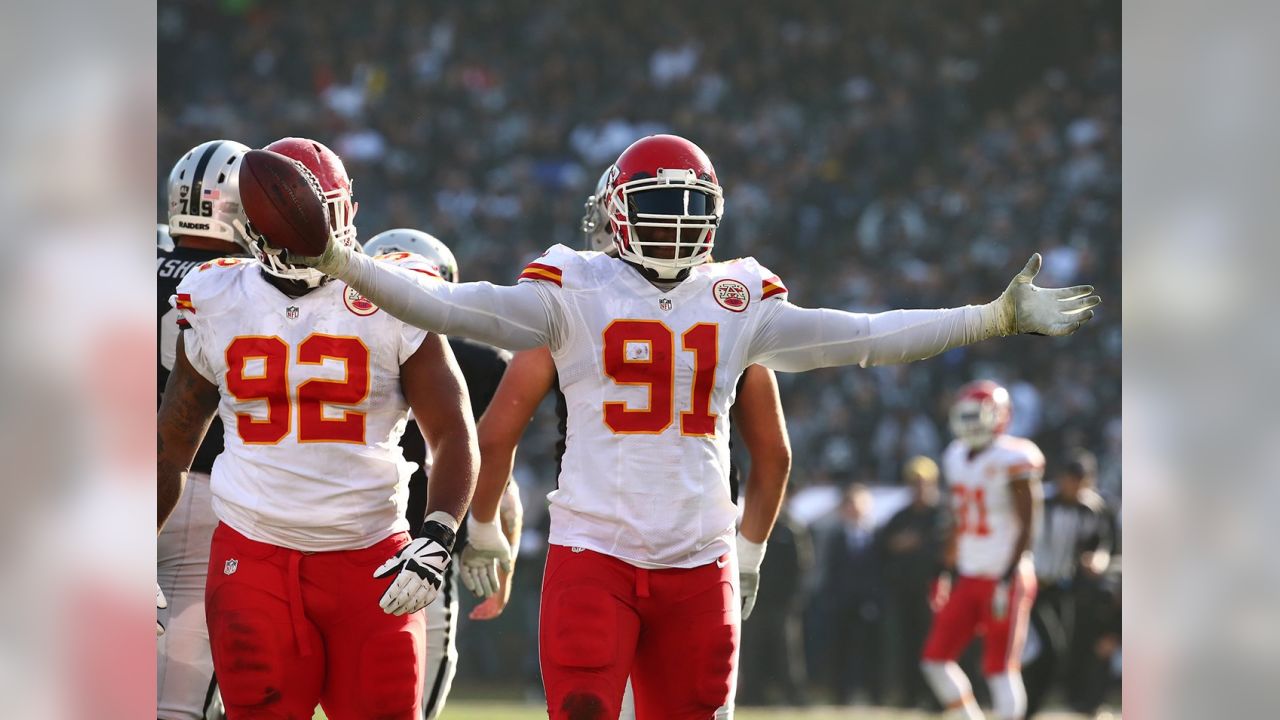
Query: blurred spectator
[(913, 542), (1072, 553), (853, 595), (772, 667)]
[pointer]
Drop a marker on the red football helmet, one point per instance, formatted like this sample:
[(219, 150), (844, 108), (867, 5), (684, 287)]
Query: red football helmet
[(981, 412), (329, 171), (664, 205)]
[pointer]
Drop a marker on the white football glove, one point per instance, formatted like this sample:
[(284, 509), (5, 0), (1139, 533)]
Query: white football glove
[(1025, 308), (487, 549), (418, 568), (750, 556), (161, 604)]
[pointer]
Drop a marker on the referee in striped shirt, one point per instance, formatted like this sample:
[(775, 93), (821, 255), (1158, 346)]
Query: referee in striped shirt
[(1072, 552)]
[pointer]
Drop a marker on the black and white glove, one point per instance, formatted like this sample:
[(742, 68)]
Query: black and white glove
[(750, 556), (161, 604), (487, 549), (419, 567), (1025, 308)]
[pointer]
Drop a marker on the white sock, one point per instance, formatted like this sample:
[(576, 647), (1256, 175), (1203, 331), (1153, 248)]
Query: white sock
[(952, 688), (1008, 695)]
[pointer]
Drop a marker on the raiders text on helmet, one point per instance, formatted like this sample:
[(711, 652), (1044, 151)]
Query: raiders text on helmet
[(204, 192)]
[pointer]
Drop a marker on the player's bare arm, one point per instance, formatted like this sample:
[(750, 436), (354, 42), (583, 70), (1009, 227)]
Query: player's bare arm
[(527, 380), (758, 416), (433, 385), (489, 553), (187, 408), (1023, 496)]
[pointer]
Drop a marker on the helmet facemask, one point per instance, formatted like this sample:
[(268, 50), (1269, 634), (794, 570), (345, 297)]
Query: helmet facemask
[(687, 207)]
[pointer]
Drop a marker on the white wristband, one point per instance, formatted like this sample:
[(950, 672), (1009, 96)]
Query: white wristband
[(750, 555), (484, 533), (444, 519)]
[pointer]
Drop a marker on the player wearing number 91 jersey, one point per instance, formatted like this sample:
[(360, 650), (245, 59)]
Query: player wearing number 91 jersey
[(995, 490), (648, 348)]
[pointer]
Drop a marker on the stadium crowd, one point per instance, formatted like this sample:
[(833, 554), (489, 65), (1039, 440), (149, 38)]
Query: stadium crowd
[(873, 155)]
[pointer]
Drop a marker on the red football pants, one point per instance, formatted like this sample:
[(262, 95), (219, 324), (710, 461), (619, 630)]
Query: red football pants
[(968, 611), (674, 631), (290, 630)]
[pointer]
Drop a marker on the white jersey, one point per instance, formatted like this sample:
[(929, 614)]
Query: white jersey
[(649, 377), (986, 521), (311, 405)]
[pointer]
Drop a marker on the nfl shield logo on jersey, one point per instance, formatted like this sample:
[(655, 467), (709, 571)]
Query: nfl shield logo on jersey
[(291, 312), (731, 295), (230, 567), (664, 303)]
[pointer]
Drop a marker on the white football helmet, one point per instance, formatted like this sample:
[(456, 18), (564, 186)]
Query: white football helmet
[(204, 192), (598, 234), (408, 240)]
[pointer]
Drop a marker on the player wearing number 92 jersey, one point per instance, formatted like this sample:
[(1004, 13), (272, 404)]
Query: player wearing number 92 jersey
[(327, 474)]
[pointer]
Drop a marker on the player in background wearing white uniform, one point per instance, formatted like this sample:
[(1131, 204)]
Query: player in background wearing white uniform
[(532, 375), (996, 498), (314, 584), (649, 347), (204, 205), (483, 367)]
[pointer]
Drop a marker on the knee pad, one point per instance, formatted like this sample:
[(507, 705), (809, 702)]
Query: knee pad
[(582, 705), (390, 673), (586, 629)]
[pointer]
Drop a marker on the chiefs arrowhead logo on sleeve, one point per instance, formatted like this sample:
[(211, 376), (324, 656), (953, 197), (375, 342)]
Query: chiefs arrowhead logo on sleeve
[(772, 287), (539, 271)]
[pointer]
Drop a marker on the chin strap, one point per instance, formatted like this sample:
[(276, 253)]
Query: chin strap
[(652, 276)]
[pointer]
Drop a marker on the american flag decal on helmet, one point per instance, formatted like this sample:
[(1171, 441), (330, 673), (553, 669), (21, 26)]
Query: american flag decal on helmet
[(548, 273), (772, 287)]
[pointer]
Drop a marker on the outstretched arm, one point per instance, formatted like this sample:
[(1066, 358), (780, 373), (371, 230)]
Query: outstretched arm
[(793, 339), (515, 317)]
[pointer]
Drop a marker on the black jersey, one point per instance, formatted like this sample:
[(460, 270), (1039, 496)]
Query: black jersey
[(482, 368), (171, 266)]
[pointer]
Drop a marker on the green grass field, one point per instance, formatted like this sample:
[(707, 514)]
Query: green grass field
[(477, 710)]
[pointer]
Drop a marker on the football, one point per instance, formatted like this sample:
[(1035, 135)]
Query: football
[(283, 202)]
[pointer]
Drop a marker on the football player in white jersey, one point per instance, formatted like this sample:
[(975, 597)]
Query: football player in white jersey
[(996, 498), (204, 205), (533, 374), (649, 347), (314, 584)]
